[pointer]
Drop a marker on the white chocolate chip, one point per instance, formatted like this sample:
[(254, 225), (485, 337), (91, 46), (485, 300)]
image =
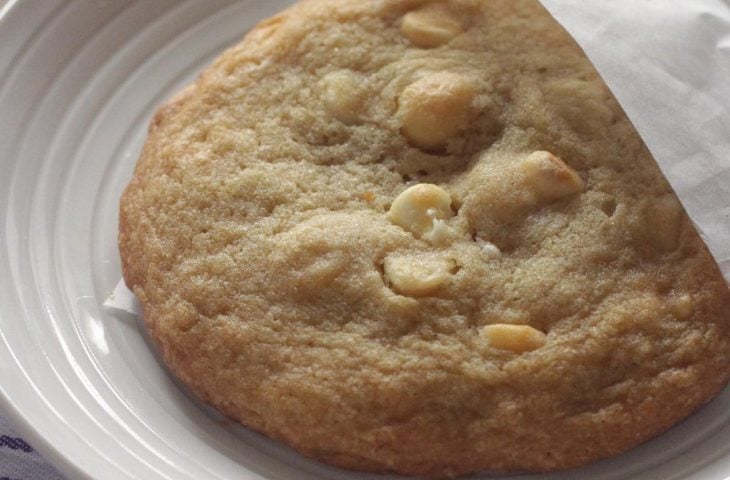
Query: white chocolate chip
[(549, 177), (439, 232), (515, 338), (421, 209), (436, 108), (341, 95), (430, 26), (491, 251), (418, 275)]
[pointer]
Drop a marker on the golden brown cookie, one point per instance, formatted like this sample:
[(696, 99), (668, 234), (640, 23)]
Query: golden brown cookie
[(421, 237)]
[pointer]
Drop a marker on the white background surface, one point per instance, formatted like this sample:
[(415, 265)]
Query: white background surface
[(78, 83)]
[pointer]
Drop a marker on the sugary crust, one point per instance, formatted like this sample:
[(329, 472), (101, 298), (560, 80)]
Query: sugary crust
[(254, 232)]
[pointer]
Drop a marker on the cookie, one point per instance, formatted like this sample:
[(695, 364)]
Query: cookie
[(421, 237)]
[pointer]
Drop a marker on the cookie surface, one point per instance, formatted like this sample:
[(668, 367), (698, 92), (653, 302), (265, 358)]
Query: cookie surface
[(421, 237)]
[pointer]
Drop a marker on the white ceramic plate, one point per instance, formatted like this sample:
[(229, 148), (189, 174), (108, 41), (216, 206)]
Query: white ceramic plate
[(78, 83)]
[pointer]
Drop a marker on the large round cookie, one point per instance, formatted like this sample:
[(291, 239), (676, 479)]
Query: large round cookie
[(424, 238)]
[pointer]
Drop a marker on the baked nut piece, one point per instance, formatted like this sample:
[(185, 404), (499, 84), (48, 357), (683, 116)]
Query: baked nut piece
[(421, 237)]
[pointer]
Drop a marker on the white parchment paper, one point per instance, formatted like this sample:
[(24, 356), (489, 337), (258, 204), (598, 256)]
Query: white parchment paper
[(668, 64), (123, 299)]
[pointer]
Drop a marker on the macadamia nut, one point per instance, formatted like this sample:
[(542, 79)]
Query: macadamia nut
[(436, 108), (665, 220), (418, 275), (515, 338), (430, 26), (421, 210), (683, 306), (341, 95), (549, 177)]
